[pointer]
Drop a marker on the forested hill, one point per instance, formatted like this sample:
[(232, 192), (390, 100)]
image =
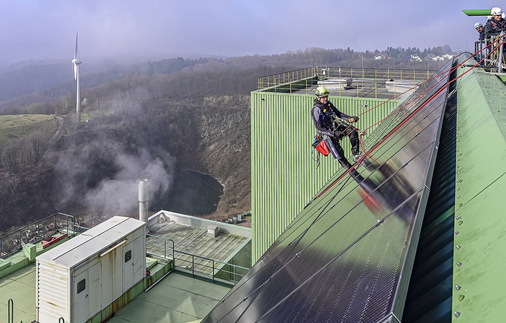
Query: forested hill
[(39, 82)]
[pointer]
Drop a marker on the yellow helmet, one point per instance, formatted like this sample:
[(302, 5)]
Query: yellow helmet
[(321, 91)]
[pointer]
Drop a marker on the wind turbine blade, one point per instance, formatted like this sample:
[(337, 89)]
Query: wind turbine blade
[(75, 71), (75, 51)]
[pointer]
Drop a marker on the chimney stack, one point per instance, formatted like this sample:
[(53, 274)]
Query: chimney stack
[(143, 200)]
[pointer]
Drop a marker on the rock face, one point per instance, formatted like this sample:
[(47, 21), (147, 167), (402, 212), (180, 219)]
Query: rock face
[(210, 135)]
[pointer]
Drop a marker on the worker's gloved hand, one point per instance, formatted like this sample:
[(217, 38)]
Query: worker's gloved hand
[(353, 119)]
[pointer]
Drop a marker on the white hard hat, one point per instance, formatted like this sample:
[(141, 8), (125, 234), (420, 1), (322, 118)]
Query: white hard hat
[(476, 25), (496, 11)]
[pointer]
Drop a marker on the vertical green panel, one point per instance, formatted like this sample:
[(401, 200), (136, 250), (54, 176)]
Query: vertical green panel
[(480, 222), (284, 174)]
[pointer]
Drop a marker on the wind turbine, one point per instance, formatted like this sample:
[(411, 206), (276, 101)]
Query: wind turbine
[(76, 62)]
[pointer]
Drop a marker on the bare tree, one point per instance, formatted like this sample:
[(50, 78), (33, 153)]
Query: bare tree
[(11, 158)]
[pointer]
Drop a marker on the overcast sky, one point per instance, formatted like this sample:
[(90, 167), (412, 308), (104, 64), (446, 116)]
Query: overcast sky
[(153, 29)]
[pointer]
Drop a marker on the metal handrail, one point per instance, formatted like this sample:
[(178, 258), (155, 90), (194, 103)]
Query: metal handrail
[(286, 77), (165, 246), (202, 273), (13, 241), (213, 267), (193, 263), (376, 74), (368, 81), (496, 58)]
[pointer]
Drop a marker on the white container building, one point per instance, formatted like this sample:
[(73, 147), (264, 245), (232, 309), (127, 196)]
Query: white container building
[(81, 277)]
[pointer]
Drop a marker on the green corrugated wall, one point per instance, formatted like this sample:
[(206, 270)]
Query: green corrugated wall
[(284, 176)]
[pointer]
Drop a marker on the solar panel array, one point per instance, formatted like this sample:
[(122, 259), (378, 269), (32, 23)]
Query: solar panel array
[(344, 257)]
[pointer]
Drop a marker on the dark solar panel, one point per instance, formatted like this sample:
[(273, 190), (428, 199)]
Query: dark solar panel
[(343, 257)]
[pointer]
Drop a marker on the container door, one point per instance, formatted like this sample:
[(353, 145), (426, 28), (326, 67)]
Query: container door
[(139, 260), (95, 289), (128, 266), (112, 278), (107, 279), (81, 299)]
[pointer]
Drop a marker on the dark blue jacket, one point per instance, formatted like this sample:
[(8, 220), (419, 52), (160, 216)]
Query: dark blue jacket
[(324, 117), (482, 35), (494, 27)]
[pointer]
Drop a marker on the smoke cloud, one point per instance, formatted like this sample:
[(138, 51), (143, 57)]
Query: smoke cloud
[(102, 178), (118, 195)]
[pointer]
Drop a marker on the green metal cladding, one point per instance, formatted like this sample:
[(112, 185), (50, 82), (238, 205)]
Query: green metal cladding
[(479, 257), (284, 176)]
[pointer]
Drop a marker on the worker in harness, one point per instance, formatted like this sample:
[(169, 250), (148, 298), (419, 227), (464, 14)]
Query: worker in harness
[(331, 124), (494, 26)]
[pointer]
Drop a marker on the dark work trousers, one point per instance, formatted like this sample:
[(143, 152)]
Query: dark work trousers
[(335, 146)]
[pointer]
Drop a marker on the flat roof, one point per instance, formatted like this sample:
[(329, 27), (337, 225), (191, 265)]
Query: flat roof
[(20, 287), (192, 240), (177, 298)]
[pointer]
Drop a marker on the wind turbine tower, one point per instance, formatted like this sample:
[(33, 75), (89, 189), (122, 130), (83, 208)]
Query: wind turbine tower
[(76, 62)]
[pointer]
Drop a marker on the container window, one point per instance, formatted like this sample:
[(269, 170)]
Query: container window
[(81, 286), (128, 255)]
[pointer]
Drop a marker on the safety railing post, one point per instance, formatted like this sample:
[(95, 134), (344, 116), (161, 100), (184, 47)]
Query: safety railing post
[(10, 311), (213, 271), (193, 265), (501, 53)]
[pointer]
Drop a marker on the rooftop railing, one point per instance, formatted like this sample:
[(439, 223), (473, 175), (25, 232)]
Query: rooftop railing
[(164, 248), (492, 56), (14, 241), (194, 264), (354, 82), (275, 80)]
